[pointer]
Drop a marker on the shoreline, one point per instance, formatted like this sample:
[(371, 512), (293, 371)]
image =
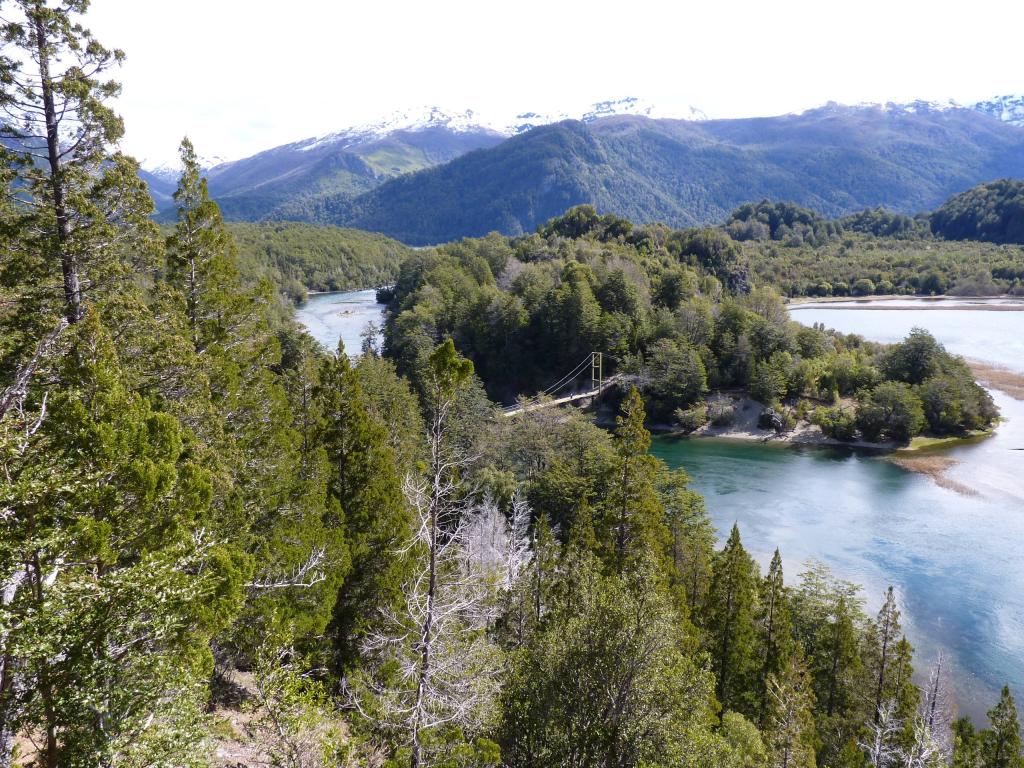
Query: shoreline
[(997, 377), (924, 455)]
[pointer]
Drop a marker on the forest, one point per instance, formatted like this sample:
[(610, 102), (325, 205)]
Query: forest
[(675, 311), (222, 545), (298, 258)]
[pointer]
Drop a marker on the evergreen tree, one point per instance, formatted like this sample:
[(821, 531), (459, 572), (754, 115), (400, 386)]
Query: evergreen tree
[(75, 214), (883, 638), (201, 262), (365, 490), (729, 627), (967, 745), (692, 538), (84, 194), (633, 519), (607, 680), (774, 632), (1001, 741), (789, 722), (117, 595)]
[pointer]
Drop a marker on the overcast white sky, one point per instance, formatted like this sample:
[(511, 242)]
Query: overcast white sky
[(239, 76)]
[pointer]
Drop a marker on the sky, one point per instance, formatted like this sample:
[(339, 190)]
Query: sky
[(240, 76)]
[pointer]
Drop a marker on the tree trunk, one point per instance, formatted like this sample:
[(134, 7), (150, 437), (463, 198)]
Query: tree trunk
[(68, 262)]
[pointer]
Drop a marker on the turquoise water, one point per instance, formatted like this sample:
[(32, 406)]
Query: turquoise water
[(340, 315), (954, 560)]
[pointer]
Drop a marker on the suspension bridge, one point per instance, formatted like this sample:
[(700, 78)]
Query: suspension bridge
[(562, 392)]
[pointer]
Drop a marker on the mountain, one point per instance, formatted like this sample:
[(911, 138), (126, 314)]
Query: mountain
[(834, 160), (1009, 109), (345, 163), (281, 182), (429, 175)]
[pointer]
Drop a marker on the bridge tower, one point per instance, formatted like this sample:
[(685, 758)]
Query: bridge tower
[(596, 371)]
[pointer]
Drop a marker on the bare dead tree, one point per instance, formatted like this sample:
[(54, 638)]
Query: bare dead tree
[(933, 722), (880, 745), (439, 640)]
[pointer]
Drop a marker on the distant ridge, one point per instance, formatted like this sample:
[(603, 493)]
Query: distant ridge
[(432, 175)]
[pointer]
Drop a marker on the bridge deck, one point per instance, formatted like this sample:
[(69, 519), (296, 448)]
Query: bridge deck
[(533, 406)]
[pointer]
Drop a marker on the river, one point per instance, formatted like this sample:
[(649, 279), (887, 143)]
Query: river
[(340, 315), (954, 560)]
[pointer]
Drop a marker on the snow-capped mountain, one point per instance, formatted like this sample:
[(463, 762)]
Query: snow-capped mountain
[(171, 171), (410, 120), (472, 121), (1009, 109)]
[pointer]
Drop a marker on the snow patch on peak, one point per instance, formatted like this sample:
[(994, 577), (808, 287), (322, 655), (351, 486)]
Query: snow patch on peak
[(469, 120), (411, 120), (1009, 108), (171, 171)]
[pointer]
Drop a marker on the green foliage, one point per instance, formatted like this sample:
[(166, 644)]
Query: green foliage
[(1001, 741), (838, 422), (729, 625), (917, 265), (675, 377), (364, 494), (993, 212), (785, 222), (690, 419), (890, 411), (303, 257), (583, 221), (607, 636), (883, 223)]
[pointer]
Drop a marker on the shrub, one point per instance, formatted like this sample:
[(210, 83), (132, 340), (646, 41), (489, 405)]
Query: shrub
[(721, 411), (838, 423), (692, 418)]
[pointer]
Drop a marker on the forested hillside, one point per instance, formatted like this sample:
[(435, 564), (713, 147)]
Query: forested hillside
[(222, 545), (281, 183), (304, 257), (834, 160), (875, 252), (993, 212)]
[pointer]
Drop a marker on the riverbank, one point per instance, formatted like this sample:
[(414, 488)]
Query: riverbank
[(924, 455), (996, 377), (744, 426)]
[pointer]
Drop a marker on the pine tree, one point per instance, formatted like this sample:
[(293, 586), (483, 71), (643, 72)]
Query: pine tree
[(774, 632), (365, 488), (692, 538), (75, 214), (967, 745), (607, 680), (882, 641), (632, 517), (1001, 741), (730, 633), (57, 118), (201, 261), (435, 640)]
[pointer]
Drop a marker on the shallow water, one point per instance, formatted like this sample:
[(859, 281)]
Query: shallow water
[(340, 315), (986, 335), (954, 560)]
